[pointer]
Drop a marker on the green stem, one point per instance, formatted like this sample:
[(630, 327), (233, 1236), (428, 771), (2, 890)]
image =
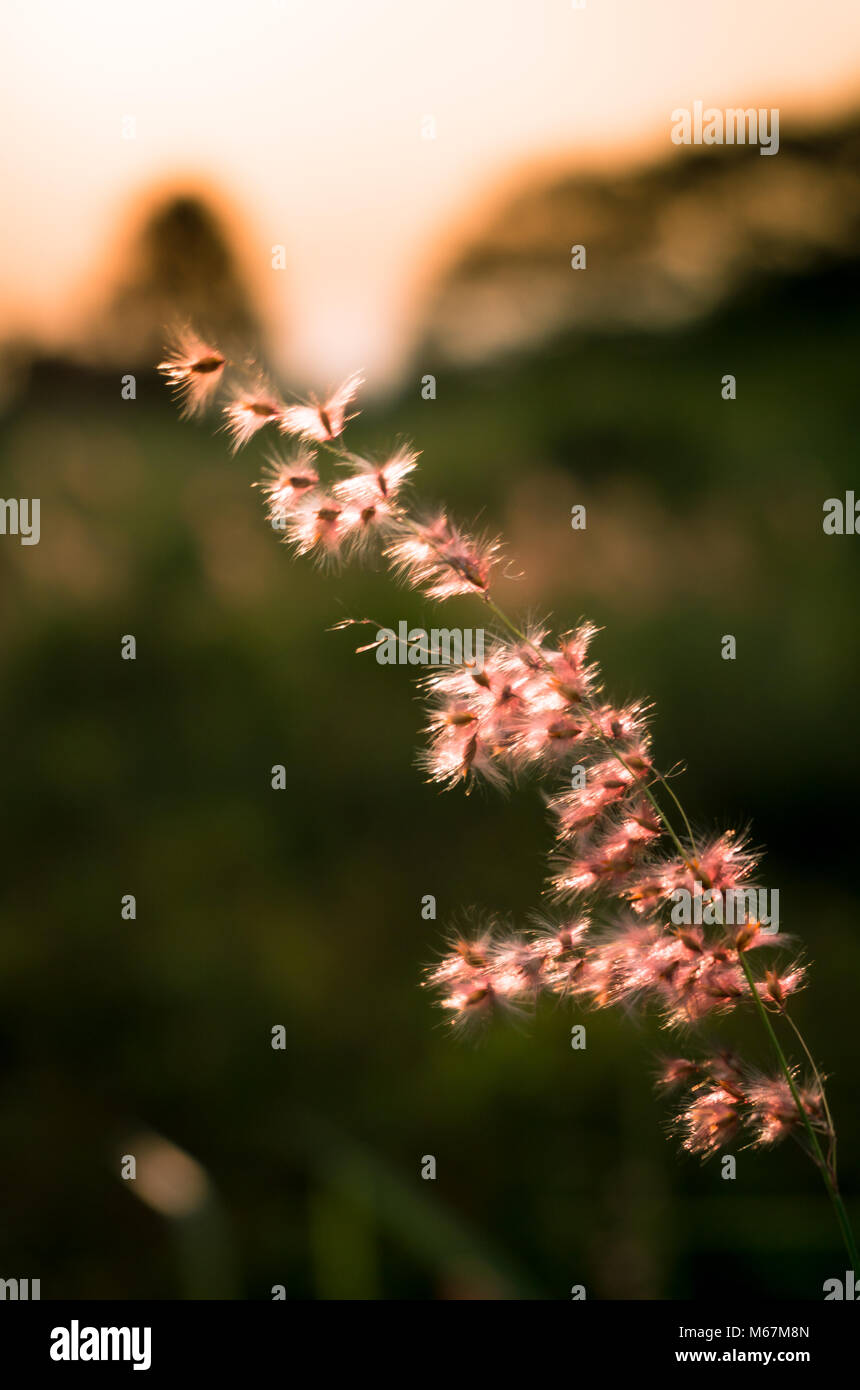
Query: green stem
[(826, 1173), (831, 1151), (827, 1168)]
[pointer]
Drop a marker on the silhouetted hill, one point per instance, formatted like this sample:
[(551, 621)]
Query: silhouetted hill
[(180, 267), (665, 245)]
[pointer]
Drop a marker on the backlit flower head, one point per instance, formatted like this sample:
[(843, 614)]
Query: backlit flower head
[(319, 526), (722, 863), (194, 370), (487, 970), (605, 860), (286, 481), (720, 866), (776, 987), (773, 1113), (607, 782), (443, 560), (534, 703), (572, 675), (482, 700), (678, 1071), (710, 1122), (549, 736), (369, 495), (624, 724), (377, 482), (248, 412), (321, 420), (458, 751)]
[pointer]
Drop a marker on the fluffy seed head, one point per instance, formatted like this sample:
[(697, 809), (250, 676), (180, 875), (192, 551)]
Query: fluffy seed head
[(486, 971), (249, 412), (318, 526), (194, 370), (439, 558), (286, 481), (709, 1122), (321, 420), (773, 1113)]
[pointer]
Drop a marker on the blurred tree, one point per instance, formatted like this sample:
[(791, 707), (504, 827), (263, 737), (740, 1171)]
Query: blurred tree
[(181, 268)]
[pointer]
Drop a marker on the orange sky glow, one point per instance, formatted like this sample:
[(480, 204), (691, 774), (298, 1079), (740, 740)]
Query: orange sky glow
[(308, 118)]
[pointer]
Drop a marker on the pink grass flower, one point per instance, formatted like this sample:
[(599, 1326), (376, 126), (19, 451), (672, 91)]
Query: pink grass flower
[(562, 951), (194, 370), (722, 864), (724, 1068), (319, 526), (319, 420), (536, 704), (608, 782), (573, 675), (560, 939), (286, 481), (710, 1122), (777, 988), (248, 413), (480, 976), (439, 558), (549, 736), (377, 482), (621, 725), (678, 1071), (773, 1113), (458, 751), (703, 987), (634, 959), (606, 861), (369, 495), (481, 700)]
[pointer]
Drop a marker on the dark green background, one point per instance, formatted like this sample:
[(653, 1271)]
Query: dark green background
[(302, 907)]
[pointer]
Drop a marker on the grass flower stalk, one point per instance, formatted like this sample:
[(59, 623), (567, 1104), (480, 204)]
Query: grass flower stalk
[(621, 876)]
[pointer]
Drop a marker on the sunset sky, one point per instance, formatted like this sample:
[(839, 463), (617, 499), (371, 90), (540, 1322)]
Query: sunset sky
[(305, 117)]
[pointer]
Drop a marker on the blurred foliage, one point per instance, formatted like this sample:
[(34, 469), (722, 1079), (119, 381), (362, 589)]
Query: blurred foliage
[(302, 907)]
